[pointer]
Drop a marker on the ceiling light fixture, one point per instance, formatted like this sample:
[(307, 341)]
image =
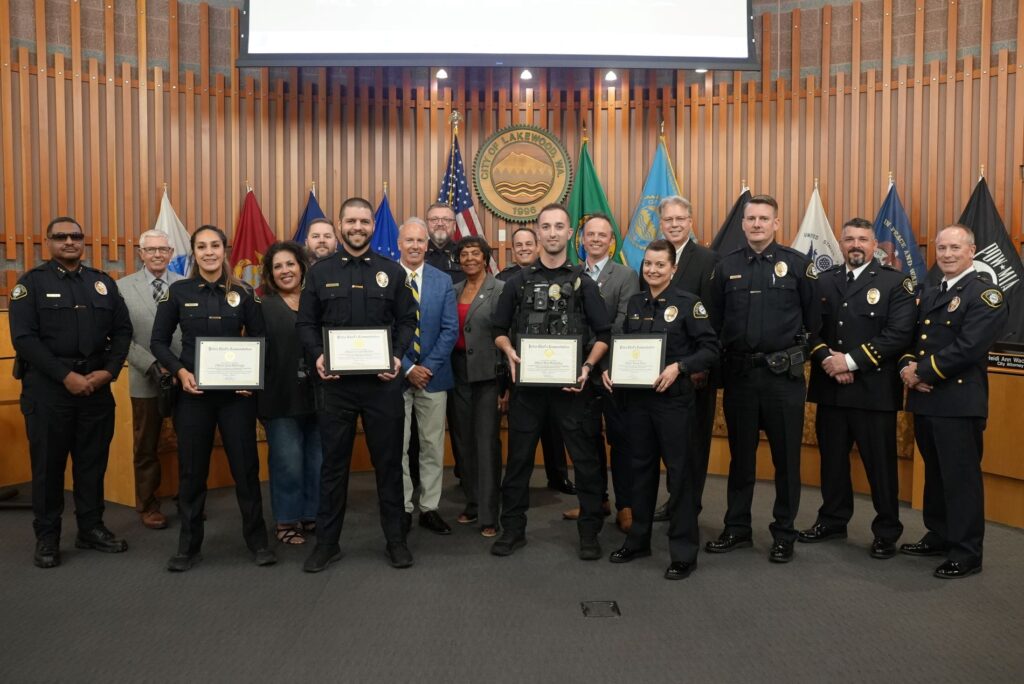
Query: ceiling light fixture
[(611, 76), (442, 74)]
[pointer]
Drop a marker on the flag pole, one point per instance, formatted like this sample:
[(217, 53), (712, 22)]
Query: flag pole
[(454, 120), (981, 173), (385, 187), (743, 185), (313, 190)]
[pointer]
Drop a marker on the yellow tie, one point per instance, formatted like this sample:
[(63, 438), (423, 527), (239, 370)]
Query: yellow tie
[(416, 335)]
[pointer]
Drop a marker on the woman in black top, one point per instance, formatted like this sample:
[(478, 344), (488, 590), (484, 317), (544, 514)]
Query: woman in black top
[(286, 405), (211, 303)]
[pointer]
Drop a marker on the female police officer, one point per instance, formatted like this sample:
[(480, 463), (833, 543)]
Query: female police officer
[(660, 419), (211, 303)]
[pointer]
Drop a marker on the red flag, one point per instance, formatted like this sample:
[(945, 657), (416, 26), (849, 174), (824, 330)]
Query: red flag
[(252, 238)]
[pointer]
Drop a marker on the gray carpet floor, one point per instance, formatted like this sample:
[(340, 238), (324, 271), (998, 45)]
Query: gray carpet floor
[(462, 615)]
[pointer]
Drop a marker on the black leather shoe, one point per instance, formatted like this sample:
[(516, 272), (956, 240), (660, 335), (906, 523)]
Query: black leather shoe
[(100, 538), (47, 554), (821, 532), (264, 557), (565, 486), (399, 555), (661, 513), (406, 523), (922, 548), (507, 543), (321, 557), (679, 570), (590, 549), (625, 555), (781, 551), (433, 522), (180, 562), (957, 569), (882, 549), (727, 542)]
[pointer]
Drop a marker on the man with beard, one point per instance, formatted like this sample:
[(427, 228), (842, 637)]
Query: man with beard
[(320, 239), (868, 314), (441, 251)]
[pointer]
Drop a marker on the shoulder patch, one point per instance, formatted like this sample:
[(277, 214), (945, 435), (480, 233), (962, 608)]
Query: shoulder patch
[(699, 311), (993, 298), (165, 296), (256, 297), (908, 285), (810, 272), (19, 291)]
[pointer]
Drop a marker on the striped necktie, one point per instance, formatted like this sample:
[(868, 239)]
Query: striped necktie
[(416, 335), (158, 289)]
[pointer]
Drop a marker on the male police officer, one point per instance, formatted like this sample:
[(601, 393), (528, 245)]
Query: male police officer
[(358, 288), (441, 251), (868, 314), (551, 297), (766, 303), (71, 331)]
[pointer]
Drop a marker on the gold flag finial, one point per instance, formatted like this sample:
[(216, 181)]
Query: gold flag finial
[(815, 183), (312, 185), (165, 187), (661, 128), (981, 172), (583, 124), (743, 185), (385, 187), (892, 178), (248, 188), (455, 119)]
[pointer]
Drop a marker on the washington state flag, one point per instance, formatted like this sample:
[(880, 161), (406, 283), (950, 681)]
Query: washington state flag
[(588, 198)]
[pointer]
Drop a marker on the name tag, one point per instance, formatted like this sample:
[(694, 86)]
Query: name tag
[(331, 285), (53, 295), (736, 277), (190, 304)]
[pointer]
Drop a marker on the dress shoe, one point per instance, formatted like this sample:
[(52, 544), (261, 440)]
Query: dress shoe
[(590, 548), (957, 569), (821, 532), (781, 551), (661, 513), (680, 570), (154, 520), (467, 518), (882, 549), (399, 555), (322, 556), (625, 555), (507, 543), (180, 562), (564, 485), (47, 554), (100, 538), (727, 542), (406, 523), (624, 519), (433, 522), (922, 548), (574, 513), (264, 557)]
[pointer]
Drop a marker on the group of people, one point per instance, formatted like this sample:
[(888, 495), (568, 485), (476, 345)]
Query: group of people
[(746, 322)]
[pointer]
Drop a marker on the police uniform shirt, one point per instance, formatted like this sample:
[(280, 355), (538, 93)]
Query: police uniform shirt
[(690, 339), (506, 273), (443, 259), (762, 302), (347, 291), (594, 310), (202, 309), (65, 320)]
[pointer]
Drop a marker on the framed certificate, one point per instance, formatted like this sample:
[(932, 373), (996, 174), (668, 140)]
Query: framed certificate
[(229, 363), (549, 360), (358, 351), (636, 360)]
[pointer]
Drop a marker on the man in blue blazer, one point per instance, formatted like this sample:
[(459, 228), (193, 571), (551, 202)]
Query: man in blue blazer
[(428, 372)]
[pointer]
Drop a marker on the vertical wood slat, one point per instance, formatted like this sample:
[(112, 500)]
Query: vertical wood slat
[(839, 175), (128, 187), (930, 200), (77, 121), (1017, 169), (855, 89), (999, 195), (27, 212), (250, 136), (94, 159), (7, 138), (967, 123), (916, 196), (143, 117), (206, 177), (43, 181), (265, 145), (825, 125), (950, 117), (984, 91), (191, 172), (871, 172), (797, 184), (234, 181), (782, 180), (901, 124), (174, 98), (279, 128), (874, 185), (221, 168), (110, 105)]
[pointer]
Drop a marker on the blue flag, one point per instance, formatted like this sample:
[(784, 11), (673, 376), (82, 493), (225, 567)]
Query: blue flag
[(311, 212), (385, 231), (896, 244), (645, 225)]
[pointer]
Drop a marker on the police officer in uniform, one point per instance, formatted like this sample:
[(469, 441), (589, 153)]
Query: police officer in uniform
[(356, 288), (659, 420), (441, 250), (211, 303), (868, 315), (551, 297), (766, 299), (71, 332), (946, 373)]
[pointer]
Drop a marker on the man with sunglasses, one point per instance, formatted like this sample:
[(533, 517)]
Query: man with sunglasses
[(71, 332)]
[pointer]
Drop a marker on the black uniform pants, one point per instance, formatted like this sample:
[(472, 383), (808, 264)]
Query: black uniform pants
[(874, 432), (381, 407), (553, 449), (954, 499), (59, 423), (755, 400), (704, 403), (573, 412), (609, 407), (660, 424), (195, 418)]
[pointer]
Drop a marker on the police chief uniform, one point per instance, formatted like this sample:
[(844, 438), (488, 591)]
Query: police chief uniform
[(767, 303), (551, 301), (956, 327), (444, 259), (349, 291), (868, 314), (62, 322), (660, 424)]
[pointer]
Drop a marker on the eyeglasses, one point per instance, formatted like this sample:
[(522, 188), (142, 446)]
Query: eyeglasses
[(62, 237), (156, 250), (440, 220)]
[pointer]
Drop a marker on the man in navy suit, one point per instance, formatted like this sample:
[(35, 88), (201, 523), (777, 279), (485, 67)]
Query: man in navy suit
[(428, 372)]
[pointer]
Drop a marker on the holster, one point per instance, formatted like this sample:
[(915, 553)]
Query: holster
[(167, 397)]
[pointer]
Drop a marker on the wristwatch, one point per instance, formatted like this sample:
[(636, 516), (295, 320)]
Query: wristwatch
[(682, 367), (589, 366)]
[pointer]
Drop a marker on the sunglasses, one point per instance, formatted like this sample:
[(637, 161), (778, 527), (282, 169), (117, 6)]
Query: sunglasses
[(62, 237)]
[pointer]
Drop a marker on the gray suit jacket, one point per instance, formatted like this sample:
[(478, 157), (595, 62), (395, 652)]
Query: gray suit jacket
[(481, 354), (138, 295), (617, 284)]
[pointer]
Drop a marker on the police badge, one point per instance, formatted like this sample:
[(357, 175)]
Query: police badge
[(671, 313), (233, 299), (100, 287), (953, 305), (873, 296), (781, 269), (382, 279), (555, 292)]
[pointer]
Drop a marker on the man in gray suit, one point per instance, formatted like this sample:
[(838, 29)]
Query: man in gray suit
[(140, 291), (618, 284)]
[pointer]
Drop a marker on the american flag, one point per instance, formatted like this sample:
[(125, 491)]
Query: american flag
[(455, 193)]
